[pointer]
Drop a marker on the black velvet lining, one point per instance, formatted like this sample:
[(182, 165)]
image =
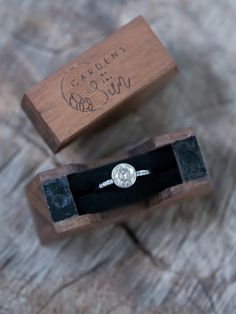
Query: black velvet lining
[(164, 173)]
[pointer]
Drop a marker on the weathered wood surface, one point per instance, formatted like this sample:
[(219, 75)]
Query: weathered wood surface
[(179, 260)]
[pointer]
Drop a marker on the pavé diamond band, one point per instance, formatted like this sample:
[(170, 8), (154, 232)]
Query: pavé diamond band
[(124, 176)]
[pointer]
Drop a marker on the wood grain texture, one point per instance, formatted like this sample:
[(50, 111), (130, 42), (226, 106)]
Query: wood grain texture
[(111, 76), (180, 260)]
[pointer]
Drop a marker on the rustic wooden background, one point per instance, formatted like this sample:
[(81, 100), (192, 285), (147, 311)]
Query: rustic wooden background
[(179, 260)]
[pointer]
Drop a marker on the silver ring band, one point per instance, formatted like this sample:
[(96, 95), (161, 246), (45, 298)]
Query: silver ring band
[(123, 175)]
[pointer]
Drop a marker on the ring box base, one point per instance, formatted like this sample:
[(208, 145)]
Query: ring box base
[(191, 168)]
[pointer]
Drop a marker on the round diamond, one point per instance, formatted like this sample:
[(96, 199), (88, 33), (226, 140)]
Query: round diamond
[(124, 175)]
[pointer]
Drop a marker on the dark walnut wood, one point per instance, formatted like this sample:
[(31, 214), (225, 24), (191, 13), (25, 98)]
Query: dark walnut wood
[(195, 182), (114, 75)]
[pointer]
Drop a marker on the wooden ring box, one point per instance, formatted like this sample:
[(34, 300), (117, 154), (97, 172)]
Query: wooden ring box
[(65, 201), (108, 79)]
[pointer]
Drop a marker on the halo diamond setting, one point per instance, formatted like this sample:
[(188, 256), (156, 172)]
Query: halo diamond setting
[(123, 176)]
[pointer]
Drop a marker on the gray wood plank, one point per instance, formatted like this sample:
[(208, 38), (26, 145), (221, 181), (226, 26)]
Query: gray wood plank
[(177, 260)]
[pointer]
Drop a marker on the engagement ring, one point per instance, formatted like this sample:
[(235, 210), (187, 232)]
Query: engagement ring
[(124, 176)]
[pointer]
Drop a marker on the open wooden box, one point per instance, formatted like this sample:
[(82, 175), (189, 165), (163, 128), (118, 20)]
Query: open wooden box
[(65, 200)]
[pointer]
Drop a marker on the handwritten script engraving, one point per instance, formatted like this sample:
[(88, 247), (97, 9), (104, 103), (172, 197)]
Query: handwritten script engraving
[(85, 87)]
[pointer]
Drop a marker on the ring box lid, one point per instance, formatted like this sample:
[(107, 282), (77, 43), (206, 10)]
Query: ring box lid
[(116, 73)]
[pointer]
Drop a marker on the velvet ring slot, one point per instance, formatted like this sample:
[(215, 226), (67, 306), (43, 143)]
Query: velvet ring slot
[(78, 194)]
